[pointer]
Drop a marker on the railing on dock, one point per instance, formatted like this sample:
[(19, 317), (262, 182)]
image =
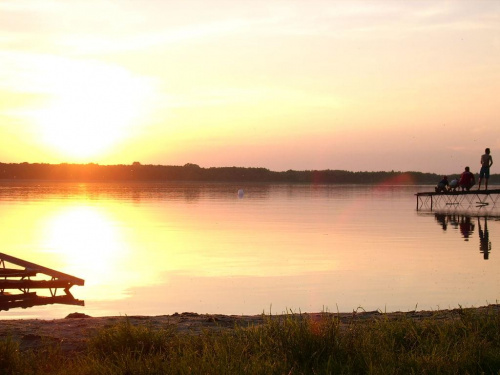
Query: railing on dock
[(20, 276), (486, 200)]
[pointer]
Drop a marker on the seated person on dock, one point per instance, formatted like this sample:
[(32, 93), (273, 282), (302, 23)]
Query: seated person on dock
[(467, 179), (453, 185), (442, 186)]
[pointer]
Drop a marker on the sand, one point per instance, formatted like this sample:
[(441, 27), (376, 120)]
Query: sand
[(74, 331)]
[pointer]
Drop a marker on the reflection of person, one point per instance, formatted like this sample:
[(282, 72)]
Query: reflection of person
[(467, 179), (441, 219), (453, 220), (442, 186), (466, 227), (486, 163), (484, 238)]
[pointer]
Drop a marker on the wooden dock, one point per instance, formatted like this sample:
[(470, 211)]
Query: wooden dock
[(463, 199), (18, 277)]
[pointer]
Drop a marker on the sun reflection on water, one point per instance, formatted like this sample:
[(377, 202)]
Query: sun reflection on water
[(92, 246)]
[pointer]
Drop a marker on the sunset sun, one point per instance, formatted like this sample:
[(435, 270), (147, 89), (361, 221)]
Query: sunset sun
[(91, 111)]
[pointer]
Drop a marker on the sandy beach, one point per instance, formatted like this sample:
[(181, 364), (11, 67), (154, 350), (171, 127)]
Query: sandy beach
[(73, 331)]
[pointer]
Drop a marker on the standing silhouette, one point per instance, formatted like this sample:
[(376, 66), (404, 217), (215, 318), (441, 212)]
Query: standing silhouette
[(486, 163)]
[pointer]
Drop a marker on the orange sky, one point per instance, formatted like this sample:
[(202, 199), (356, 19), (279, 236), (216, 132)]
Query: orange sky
[(363, 86)]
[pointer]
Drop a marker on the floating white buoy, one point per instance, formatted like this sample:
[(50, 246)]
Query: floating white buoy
[(241, 193)]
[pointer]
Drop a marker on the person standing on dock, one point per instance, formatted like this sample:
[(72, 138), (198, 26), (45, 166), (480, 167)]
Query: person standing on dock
[(486, 163)]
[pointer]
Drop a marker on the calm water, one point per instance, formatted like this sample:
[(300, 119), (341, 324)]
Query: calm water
[(157, 249)]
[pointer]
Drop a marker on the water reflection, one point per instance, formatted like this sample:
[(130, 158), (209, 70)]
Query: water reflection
[(136, 192), (484, 238), (84, 235), (466, 227), (466, 224), (91, 241), (161, 248)]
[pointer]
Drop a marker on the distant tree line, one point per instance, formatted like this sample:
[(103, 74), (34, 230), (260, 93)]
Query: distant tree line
[(193, 172)]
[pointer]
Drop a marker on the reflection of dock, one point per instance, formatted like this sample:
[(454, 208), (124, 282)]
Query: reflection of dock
[(22, 281), (472, 199)]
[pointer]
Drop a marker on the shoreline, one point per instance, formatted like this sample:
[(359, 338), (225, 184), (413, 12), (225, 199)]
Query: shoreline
[(73, 332)]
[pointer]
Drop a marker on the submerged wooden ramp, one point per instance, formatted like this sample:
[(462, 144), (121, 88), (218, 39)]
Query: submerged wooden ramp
[(20, 276), (459, 199)]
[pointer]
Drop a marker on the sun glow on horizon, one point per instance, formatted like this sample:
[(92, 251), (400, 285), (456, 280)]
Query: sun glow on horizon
[(89, 107), (92, 114)]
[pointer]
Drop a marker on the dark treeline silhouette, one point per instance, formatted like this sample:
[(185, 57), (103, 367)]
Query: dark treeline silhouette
[(193, 172)]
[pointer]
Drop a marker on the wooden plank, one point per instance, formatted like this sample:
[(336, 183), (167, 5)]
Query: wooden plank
[(12, 272), (40, 301), (7, 297), (35, 284), (475, 192), (47, 271)]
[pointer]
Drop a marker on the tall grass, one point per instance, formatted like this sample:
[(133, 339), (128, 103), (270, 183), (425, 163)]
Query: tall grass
[(290, 344)]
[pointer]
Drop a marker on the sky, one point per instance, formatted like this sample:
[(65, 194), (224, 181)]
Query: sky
[(303, 85)]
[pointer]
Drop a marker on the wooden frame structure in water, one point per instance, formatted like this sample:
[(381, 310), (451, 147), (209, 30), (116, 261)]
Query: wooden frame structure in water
[(475, 199), (20, 280)]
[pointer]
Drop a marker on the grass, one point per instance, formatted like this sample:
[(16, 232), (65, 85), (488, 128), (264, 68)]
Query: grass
[(290, 344)]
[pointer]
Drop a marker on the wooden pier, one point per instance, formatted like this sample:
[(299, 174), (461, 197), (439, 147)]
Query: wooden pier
[(476, 199), (20, 276)]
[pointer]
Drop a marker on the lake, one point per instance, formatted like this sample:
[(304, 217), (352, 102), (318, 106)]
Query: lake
[(161, 248)]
